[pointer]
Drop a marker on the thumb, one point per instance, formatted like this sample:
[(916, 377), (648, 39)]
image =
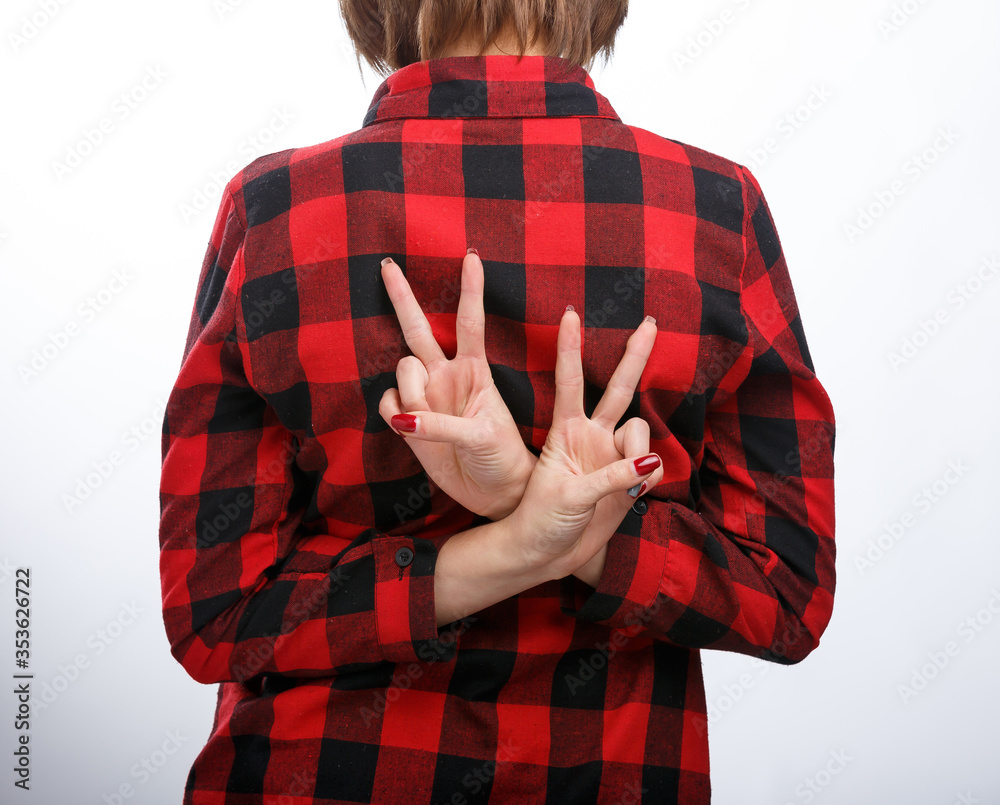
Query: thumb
[(619, 476)]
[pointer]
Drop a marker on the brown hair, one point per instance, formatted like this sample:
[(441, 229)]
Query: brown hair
[(390, 34)]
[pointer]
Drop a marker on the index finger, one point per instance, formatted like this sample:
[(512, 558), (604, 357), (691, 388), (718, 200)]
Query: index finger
[(618, 395), (416, 329)]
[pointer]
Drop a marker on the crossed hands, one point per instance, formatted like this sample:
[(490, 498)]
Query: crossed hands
[(563, 507)]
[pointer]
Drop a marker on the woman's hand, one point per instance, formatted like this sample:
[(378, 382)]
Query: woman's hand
[(449, 411), (578, 493), (583, 485)]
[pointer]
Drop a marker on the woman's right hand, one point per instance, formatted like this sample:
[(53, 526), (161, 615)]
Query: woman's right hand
[(586, 467)]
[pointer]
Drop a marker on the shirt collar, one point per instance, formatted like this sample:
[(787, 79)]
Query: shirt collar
[(489, 86)]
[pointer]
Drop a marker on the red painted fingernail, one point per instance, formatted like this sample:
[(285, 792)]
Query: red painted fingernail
[(405, 423), (644, 466), (473, 250), (387, 261)]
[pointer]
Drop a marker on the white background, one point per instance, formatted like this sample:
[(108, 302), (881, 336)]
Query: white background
[(99, 258)]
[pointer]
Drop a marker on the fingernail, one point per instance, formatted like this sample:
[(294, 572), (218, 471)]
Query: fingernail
[(405, 423), (387, 261), (473, 250), (650, 319), (644, 466), (637, 490), (570, 309)]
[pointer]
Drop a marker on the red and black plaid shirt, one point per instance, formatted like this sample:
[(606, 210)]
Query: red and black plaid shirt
[(299, 533)]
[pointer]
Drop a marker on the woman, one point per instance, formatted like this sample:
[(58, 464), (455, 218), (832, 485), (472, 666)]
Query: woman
[(375, 640)]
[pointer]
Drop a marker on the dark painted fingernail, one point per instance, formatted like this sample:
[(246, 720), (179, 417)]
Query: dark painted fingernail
[(637, 490), (644, 466), (405, 423), (387, 261), (473, 250)]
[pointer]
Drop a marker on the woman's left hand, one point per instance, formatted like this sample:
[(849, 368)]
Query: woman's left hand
[(450, 412)]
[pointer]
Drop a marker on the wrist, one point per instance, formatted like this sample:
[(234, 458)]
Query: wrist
[(532, 563), (510, 501), (523, 531), (591, 572)]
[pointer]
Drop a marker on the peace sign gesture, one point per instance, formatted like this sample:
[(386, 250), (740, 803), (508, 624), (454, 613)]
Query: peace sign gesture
[(450, 411), (575, 497), (462, 433)]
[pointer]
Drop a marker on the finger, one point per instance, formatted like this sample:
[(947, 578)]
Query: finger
[(569, 369), (470, 324), (395, 415), (390, 405), (632, 439), (619, 476), (618, 395), (411, 379), (459, 431), (416, 329)]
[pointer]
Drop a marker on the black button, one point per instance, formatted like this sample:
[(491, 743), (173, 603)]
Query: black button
[(640, 507), (403, 557)]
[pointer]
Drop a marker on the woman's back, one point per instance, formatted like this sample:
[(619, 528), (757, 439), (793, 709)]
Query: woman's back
[(307, 503)]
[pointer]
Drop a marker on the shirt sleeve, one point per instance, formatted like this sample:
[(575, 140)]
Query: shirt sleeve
[(245, 589), (749, 567)]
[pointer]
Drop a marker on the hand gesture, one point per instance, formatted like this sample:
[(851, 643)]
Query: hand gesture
[(576, 496), (579, 491), (449, 411)]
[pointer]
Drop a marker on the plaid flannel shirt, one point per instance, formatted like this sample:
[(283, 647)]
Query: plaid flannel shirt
[(299, 534)]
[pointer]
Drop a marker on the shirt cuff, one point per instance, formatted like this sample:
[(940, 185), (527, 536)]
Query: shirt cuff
[(405, 618), (626, 594)]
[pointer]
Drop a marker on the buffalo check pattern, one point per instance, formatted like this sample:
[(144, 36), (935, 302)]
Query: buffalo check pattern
[(299, 534)]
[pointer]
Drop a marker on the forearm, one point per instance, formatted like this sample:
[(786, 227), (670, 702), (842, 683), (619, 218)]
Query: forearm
[(561, 527), (481, 567)]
